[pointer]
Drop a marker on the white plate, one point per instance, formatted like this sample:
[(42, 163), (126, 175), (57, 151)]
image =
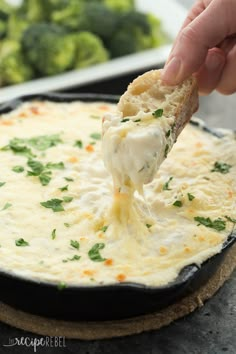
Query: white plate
[(172, 15)]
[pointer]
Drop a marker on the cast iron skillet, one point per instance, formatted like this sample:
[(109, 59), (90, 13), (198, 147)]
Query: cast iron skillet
[(103, 302)]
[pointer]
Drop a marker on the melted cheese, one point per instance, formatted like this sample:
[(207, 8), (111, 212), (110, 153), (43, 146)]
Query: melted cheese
[(148, 246)]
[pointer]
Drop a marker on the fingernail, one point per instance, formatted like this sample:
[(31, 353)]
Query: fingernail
[(214, 62), (171, 71)]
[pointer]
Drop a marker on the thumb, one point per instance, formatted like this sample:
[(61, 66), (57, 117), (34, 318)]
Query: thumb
[(206, 31)]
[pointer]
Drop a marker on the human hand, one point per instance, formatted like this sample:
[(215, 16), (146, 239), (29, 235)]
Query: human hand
[(206, 46)]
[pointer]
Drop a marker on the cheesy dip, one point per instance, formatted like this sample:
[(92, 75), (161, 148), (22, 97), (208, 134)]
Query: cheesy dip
[(61, 223)]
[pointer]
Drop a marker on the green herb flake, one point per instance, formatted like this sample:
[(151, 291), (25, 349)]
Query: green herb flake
[(67, 199), (18, 169), (17, 146), (158, 113), (55, 165), (178, 203), (79, 144), (54, 204), (190, 197), (94, 253), (65, 188), (2, 184), (166, 150), (74, 258), (44, 142), (75, 244), (221, 167), (137, 120), (217, 224), (45, 178), (61, 285), (93, 116), (53, 234), (148, 226), (36, 167), (21, 242), (69, 179), (230, 219), (104, 228), (6, 206), (66, 224), (166, 185), (96, 136), (124, 120), (168, 133)]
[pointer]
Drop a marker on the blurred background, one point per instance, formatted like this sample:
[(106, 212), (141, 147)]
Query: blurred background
[(92, 46)]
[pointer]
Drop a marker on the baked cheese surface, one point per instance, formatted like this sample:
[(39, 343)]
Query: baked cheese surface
[(61, 223)]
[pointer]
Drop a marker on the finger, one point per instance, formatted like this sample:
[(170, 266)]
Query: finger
[(195, 11), (215, 23), (210, 72), (227, 83)]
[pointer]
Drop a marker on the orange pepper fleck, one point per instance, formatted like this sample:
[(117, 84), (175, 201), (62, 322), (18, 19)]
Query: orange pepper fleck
[(7, 122), (121, 277), (22, 115), (34, 110), (201, 238), (230, 194), (104, 107), (198, 144), (163, 250), (88, 272), (73, 159), (108, 262), (89, 148), (187, 249)]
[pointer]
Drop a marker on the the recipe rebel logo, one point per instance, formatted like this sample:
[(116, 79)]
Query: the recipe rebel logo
[(35, 343)]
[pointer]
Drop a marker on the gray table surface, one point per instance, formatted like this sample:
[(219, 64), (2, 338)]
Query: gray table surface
[(209, 330)]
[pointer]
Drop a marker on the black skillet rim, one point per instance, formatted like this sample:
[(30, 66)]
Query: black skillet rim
[(186, 274)]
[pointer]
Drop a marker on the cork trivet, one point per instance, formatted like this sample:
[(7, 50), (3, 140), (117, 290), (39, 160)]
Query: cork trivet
[(135, 325)]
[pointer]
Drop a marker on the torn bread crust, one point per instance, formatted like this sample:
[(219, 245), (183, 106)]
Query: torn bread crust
[(135, 142)]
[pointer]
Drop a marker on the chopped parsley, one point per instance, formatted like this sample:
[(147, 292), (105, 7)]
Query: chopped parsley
[(158, 113), (178, 203), (230, 219), (94, 253), (65, 188), (79, 144), (67, 199), (45, 178), (21, 242), (69, 179), (2, 184), (43, 142), (190, 197), (74, 244), (96, 136), (61, 285), (137, 120), (168, 133), (124, 120), (66, 224), (93, 116), (38, 170), (54, 204), (221, 167), (18, 169), (217, 224), (166, 150), (148, 226), (18, 146), (166, 185), (104, 228), (55, 165), (74, 258), (6, 206), (53, 234)]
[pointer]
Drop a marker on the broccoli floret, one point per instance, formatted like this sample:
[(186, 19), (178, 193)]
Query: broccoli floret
[(135, 31), (48, 48), (88, 16), (16, 26), (120, 5), (89, 50), (13, 67), (158, 37), (34, 10)]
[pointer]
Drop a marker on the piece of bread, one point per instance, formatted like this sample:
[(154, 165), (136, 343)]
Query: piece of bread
[(148, 93)]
